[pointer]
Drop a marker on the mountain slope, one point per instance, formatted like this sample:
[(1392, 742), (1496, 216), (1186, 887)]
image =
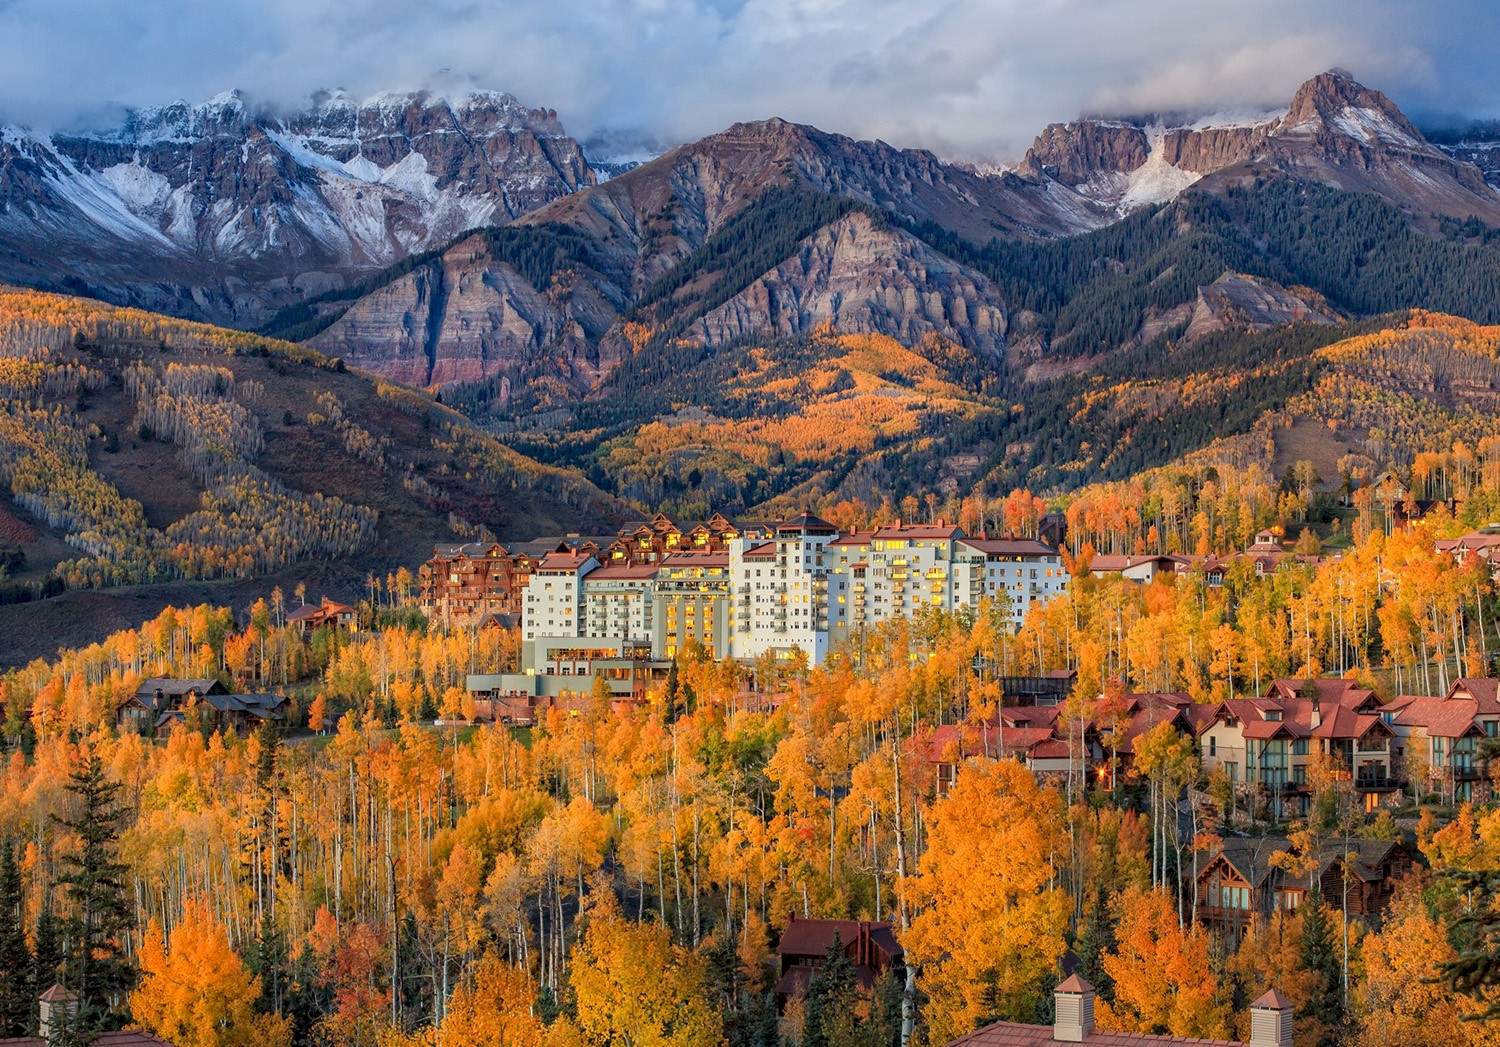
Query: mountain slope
[(640, 227), (223, 213), (751, 234), (136, 449)]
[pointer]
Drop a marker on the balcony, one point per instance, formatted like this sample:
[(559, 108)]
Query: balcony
[(1224, 914), (1372, 783)]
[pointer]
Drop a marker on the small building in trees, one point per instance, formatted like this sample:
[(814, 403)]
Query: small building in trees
[(871, 947), (159, 697), (311, 617), (56, 1010)]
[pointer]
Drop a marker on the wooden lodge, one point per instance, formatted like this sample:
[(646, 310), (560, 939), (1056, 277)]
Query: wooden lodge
[(871, 947), (1243, 879)]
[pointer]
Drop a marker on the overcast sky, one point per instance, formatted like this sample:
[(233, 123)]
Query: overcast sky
[(968, 78)]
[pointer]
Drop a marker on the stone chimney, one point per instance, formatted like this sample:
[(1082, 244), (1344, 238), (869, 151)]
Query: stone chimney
[(1074, 1010), (56, 1009), (1271, 1021)]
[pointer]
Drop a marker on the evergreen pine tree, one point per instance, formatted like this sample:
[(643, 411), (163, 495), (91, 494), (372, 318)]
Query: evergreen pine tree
[(1095, 940), (46, 958), (1325, 1001), (307, 997), (830, 999), (16, 996), (884, 1027), (93, 881), (266, 958), (671, 696)]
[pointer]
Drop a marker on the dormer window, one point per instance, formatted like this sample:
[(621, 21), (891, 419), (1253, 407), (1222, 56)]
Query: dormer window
[(1273, 714)]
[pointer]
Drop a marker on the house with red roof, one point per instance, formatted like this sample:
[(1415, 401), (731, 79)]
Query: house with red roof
[(870, 945), (311, 617), (1438, 736), (1273, 744), (1073, 1007)]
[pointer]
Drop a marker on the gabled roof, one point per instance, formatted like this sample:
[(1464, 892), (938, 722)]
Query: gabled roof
[(805, 937), (764, 551), (177, 688), (1116, 562), (1484, 691), (1009, 546), (1251, 858), (1440, 717), (262, 705), (806, 523), (1328, 689)]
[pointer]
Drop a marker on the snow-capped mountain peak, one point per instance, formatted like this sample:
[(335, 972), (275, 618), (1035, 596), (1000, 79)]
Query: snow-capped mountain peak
[(296, 200)]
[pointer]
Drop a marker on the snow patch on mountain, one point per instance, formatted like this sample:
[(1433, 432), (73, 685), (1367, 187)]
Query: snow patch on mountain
[(139, 188), (1155, 181)]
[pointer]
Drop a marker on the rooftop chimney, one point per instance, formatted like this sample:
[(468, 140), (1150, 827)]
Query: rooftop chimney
[(1271, 1021), (1074, 1021), (55, 1011)]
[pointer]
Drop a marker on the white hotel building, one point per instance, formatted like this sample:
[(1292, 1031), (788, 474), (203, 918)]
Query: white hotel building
[(804, 586)]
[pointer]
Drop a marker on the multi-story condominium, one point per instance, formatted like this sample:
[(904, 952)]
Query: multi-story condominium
[(618, 602), (1438, 737), (779, 591), (891, 572), (797, 586), (690, 604), (1273, 742), (463, 583), (1023, 570), (554, 596), (894, 571)]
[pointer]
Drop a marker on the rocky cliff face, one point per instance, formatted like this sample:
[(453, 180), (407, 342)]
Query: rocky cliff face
[(221, 212), (864, 279), (1335, 131), (467, 316), (1237, 300)]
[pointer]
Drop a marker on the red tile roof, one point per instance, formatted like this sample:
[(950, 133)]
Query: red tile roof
[(120, 1038), (805, 937), (1486, 692), (1014, 1034), (1440, 717), (1009, 546), (764, 551), (624, 572)]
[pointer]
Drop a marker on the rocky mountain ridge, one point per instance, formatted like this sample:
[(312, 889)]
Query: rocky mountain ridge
[(471, 317), (1335, 131), (225, 212)]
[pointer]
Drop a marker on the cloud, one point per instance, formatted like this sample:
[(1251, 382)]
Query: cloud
[(971, 78)]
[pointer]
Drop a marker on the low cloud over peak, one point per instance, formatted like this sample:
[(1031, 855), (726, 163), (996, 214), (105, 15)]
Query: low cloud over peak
[(967, 78)]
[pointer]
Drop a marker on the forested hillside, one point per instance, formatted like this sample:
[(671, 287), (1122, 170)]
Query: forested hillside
[(135, 449), (384, 881)]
